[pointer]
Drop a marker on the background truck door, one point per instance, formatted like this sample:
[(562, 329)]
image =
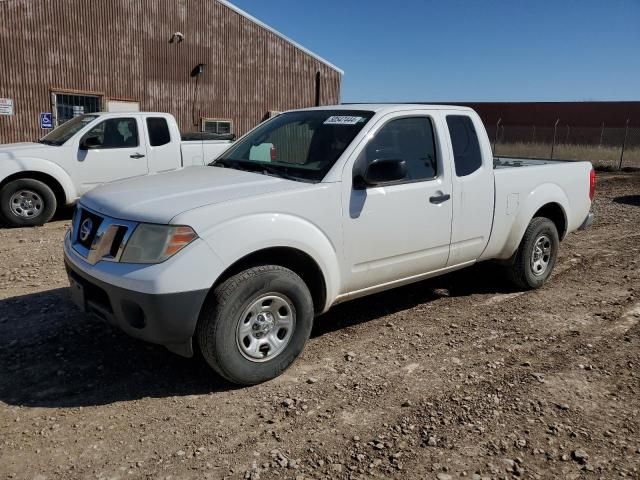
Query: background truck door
[(473, 187), (402, 229), (113, 149), (163, 152)]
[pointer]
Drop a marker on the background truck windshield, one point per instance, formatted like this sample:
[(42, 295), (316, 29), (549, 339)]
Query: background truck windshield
[(67, 130), (300, 145)]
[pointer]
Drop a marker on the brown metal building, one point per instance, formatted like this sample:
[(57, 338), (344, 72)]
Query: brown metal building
[(207, 62), (584, 114)]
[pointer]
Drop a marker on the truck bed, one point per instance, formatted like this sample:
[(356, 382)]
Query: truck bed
[(510, 162), (562, 182)]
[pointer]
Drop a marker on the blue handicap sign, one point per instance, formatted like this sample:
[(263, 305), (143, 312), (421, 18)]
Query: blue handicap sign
[(46, 120)]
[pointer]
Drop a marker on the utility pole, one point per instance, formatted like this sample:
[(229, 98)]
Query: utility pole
[(555, 131)]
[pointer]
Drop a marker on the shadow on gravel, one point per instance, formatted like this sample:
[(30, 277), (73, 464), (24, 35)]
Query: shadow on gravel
[(64, 213), (633, 200), (484, 278), (52, 356)]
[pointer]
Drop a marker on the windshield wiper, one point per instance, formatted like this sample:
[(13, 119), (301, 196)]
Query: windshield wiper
[(259, 167), (47, 142), (222, 162), (282, 173)]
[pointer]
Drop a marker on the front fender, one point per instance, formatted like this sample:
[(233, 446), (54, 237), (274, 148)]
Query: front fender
[(11, 165), (234, 239), (534, 201)]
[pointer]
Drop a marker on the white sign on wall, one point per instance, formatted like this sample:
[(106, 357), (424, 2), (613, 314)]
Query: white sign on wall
[(6, 106), (122, 106)]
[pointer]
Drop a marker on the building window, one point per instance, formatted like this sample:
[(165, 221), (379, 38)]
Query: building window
[(215, 125), (70, 105)]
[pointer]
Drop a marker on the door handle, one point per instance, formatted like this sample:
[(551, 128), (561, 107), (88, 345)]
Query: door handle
[(136, 155), (439, 198)]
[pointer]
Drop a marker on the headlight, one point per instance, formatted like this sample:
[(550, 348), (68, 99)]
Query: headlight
[(155, 243)]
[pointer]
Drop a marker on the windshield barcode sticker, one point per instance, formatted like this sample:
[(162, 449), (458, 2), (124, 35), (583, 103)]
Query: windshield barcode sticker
[(342, 120)]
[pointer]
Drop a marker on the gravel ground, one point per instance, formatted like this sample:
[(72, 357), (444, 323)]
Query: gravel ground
[(459, 376)]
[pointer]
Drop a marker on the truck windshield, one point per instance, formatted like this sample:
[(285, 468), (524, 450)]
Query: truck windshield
[(67, 130), (300, 145)]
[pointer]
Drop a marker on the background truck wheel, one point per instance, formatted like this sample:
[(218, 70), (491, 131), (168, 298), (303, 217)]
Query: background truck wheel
[(255, 324), (536, 256), (26, 203)]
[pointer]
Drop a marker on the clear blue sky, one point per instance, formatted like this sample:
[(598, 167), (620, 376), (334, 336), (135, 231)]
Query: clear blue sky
[(469, 50)]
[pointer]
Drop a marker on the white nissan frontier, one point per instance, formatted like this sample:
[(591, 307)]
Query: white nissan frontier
[(309, 209), (89, 150)]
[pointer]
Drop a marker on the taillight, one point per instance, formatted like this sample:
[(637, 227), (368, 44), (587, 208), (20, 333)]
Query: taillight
[(273, 153), (592, 184)]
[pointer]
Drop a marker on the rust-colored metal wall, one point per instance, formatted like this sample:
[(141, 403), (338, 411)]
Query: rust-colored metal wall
[(583, 114), (121, 49)]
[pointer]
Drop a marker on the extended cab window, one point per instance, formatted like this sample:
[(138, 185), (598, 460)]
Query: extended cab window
[(409, 139), (113, 133), (466, 149), (158, 131)]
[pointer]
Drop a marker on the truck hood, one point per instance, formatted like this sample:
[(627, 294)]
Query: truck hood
[(159, 198), (16, 150)]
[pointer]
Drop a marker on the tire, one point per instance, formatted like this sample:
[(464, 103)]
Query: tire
[(241, 345), (26, 203), (526, 272)]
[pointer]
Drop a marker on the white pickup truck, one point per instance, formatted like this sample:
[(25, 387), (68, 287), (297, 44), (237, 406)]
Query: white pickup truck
[(309, 209), (36, 178)]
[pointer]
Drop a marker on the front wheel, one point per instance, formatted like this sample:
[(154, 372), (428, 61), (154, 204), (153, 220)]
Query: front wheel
[(537, 254), (255, 324), (26, 202)]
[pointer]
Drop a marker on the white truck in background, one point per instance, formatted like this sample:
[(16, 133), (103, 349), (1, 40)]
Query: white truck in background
[(89, 150), (312, 208)]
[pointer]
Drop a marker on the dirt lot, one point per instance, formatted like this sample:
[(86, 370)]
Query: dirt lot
[(459, 376)]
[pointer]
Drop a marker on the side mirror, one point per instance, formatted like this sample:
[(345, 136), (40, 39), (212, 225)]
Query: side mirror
[(383, 170), (90, 142)]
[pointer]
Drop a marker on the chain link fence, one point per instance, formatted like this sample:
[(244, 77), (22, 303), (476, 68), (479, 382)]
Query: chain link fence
[(609, 148)]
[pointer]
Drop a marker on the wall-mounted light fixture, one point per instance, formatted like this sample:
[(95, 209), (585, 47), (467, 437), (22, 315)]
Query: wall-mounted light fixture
[(197, 70)]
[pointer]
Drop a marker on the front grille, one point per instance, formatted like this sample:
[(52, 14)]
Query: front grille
[(88, 226), (98, 237)]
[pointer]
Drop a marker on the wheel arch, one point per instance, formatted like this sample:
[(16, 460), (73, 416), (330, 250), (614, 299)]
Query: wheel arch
[(49, 180), (292, 258), (554, 212)]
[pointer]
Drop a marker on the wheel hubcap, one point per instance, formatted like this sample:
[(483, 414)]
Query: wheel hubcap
[(26, 204), (541, 255), (266, 327)]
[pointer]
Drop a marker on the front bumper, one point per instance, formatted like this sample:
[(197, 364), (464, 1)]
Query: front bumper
[(587, 221), (167, 319)]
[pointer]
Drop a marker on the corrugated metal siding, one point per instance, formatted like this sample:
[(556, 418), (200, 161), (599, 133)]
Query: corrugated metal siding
[(120, 49), (585, 114)]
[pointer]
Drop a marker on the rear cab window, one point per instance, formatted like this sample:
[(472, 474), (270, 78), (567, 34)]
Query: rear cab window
[(159, 133), (467, 156)]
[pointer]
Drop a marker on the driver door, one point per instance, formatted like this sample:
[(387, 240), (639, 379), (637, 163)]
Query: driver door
[(111, 150), (401, 230)]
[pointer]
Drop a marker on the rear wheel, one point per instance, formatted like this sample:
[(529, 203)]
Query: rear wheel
[(255, 324), (26, 202), (536, 256)]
